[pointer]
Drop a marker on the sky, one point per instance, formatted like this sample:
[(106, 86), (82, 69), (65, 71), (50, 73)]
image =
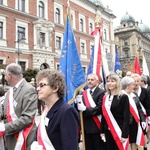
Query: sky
[(138, 9)]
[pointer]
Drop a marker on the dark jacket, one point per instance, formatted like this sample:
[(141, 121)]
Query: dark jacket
[(120, 111), (137, 102), (63, 126), (89, 124), (145, 99)]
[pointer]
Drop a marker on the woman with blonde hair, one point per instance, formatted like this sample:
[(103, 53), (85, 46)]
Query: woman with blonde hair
[(115, 115)]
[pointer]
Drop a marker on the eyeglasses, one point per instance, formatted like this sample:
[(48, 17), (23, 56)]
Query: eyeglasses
[(42, 85)]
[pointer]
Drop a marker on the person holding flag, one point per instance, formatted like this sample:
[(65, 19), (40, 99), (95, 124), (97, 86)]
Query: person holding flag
[(90, 104)]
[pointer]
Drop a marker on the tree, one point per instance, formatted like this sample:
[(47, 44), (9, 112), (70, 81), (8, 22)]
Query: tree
[(29, 74)]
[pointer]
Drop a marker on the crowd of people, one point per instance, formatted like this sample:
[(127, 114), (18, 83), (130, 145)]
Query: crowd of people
[(120, 113), (115, 117)]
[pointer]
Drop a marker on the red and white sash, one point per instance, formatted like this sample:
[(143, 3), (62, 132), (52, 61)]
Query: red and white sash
[(113, 125), (2, 141), (11, 116), (90, 103), (135, 114), (42, 136)]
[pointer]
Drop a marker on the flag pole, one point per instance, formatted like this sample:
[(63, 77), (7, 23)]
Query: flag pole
[(82, 130), (78, 89)]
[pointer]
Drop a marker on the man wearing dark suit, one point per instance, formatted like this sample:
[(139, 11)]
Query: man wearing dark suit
[(144, 97), (20, 107), (91, 107)]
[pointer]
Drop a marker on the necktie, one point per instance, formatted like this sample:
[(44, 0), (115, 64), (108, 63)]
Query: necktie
[(14, 90), (91, 92)]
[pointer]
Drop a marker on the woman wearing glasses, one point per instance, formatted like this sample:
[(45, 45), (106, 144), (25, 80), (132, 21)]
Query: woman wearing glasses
[(58, 128)]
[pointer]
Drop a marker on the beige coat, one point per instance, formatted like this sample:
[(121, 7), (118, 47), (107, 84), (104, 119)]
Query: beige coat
[(25, 98)]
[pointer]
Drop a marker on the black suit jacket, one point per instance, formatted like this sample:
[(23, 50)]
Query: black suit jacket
[(145, 99), (89, 124), (120, 110)]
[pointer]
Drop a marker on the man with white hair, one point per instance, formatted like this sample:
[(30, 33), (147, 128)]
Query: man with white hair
[(91, 104), (19, 111)]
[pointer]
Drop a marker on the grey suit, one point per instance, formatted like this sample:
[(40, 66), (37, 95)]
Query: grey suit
[(25, 98)]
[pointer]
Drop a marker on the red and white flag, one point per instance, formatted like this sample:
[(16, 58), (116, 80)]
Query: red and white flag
[(137, 66), (145, 67), (97, 61)]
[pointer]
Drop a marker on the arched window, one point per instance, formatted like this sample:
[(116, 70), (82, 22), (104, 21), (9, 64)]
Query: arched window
[(57, 15), (81, 25), (41, 9)]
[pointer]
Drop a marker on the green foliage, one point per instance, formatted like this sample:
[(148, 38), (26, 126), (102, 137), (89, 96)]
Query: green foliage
[(29, 74)]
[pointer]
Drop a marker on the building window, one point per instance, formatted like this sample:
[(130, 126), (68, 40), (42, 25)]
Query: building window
[(126, 42), (21, 33), (81, 25), (82, 48), (1, 2), (126, 53), (23, 65), (57, 66), (1, 61), (91, 27), (57, 15), (1, 30), (105, 34), (41, 9), (42, 39), (84, 70), (21, 5), (58, 42)]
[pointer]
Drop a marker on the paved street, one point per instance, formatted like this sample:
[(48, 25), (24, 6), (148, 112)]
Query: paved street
[(80, 145)]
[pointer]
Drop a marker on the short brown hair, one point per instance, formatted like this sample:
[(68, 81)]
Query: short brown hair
[(55, 80)]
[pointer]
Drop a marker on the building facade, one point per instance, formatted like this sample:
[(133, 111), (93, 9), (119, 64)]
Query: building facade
[(133, 39), (31, 31)]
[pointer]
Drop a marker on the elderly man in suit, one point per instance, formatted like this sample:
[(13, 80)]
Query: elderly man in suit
[(19, 110), (91, 106)]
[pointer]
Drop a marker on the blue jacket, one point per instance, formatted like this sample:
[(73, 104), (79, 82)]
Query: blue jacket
[(63, 126)]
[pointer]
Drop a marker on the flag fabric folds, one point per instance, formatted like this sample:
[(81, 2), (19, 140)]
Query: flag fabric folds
[(137, 66), (117, 68), (100, 65), (70, 64), (97, 60), (145, 67)]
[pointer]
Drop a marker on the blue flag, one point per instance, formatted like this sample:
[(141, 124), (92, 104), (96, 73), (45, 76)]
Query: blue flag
[(70, 64), (117, 68)]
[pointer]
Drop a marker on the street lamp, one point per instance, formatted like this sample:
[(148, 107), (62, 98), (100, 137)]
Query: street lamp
[(18, 50)]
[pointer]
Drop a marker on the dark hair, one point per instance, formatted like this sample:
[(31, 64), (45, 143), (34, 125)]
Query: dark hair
[(1, 91), (55, 80)]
